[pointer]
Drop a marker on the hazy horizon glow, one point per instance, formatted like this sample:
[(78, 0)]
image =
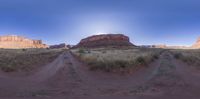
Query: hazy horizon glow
[(146, 22)]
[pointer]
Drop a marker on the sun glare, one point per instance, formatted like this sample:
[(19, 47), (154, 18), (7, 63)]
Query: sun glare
[(98, 33)]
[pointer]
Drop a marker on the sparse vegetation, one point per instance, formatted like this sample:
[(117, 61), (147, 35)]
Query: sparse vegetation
[(81, 51), (178, 55), (191, 57), (25, 59), (111, 60)]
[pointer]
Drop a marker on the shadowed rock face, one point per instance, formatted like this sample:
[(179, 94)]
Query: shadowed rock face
[(62, 45), (197, 44), (116, 40), (16, 42)]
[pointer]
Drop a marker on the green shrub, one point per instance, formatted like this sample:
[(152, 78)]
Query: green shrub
[(24, 49), (89, 51), (81, 51), (140, 60), (155, 56), (178, 55), (104, 51)]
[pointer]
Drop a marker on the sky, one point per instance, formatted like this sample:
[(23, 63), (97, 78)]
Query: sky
[(146, 22)]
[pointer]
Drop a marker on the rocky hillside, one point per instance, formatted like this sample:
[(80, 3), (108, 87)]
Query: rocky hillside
[(104, 40)]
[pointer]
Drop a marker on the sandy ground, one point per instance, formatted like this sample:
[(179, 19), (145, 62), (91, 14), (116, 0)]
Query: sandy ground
[(67, 78)]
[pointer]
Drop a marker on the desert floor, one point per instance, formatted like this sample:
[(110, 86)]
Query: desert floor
[(67, 78)]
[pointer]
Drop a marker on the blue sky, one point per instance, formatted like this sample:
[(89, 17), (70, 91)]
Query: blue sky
[(171, 22)]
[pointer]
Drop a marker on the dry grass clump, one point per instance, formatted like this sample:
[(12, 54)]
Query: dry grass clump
[(25, 59), (117, 59), (190, 56)]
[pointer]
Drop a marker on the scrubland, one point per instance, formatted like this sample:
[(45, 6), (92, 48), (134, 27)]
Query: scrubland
[(26, 59), (189, 56), (112, 60)]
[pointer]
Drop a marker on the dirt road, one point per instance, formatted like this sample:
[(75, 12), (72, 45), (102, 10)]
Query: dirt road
[(67, 78)]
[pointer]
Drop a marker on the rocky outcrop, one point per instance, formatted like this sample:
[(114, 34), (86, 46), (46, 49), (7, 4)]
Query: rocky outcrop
[(62, 45), (17, 42), (104, 40), (196, 44)]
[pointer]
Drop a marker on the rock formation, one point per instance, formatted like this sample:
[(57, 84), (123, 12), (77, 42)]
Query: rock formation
[(196, 44), (62, 45), (104, 40), (17, 42), (160, 46)]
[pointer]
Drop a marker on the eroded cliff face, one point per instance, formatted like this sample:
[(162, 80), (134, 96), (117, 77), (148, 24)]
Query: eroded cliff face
[(116, 40), (17, 42)]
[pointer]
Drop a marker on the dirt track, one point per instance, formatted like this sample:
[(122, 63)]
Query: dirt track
[(67, 78)]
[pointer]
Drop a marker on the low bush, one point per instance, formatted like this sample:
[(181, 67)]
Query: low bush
[(26, 60), (191, 57), (81, 51), (117, 59), (113, 65), (178, 55), (140, 60), (155, 56), (108, 66)]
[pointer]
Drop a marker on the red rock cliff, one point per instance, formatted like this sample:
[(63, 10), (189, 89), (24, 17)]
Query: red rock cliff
[(105, 40)]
